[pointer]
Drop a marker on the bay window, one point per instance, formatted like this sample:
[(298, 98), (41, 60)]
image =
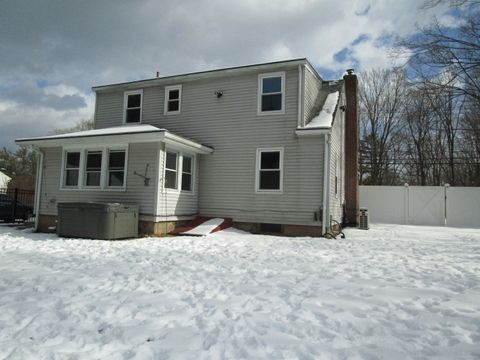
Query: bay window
[(94, 169)]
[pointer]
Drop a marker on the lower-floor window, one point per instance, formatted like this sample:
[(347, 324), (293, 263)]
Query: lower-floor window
[(187, 172), (94, 168), (269, 174), (116, 168), (171, 163), (72, 168), (179, 171)]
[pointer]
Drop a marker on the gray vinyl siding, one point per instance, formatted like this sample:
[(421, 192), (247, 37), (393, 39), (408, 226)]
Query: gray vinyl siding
[(139, 155), (230, 124), (312, 98), (337, 146), (109, 109)]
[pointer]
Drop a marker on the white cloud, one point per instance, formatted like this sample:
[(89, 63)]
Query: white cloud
[(82, 44)]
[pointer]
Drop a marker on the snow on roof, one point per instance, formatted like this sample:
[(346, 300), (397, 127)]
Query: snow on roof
[(325, 117), (117, 130)]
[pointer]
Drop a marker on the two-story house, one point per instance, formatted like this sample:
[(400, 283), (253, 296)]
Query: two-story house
[(272, 146)]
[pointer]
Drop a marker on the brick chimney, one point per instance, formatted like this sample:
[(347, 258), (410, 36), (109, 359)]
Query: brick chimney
[(351, 149)]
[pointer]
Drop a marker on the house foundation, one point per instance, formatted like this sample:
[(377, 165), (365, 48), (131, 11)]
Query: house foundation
[(48, 224)]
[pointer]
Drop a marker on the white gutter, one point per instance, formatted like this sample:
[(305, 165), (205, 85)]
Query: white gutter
[(38, 186), (172, 139), (312, 131), (240, 70), (326, 183)]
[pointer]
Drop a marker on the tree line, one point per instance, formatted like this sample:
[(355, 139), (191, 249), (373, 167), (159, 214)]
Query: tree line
[(20, 165), (420, 123)]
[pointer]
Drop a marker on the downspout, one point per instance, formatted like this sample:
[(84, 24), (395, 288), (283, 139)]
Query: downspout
[(326, 183), (38, 185), (300, 95)]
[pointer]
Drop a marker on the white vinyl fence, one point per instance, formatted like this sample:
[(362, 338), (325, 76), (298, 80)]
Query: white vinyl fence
[(422, 205)]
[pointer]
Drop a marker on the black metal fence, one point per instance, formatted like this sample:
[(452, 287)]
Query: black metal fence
[(16, 205)]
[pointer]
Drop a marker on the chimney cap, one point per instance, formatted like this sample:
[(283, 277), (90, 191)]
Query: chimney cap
[(350, 71)]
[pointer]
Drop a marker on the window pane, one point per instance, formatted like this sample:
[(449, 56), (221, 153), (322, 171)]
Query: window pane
[(270, 180), (170, 179), (173, 105), (171, 162), (186, 182), (71, 178), (115, 178), (187, 164), (270, 160), (116, 160), (94, 160), (272, 102), (134, 100), (173, 94), (93, 178), (73, 159), (133, 115), (273, 84)]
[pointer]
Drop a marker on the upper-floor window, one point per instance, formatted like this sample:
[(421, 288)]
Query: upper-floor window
[(271, 93), (173, 99), (269, 173), (133, 106)]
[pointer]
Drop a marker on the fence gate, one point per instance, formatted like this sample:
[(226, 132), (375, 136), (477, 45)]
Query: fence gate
[(16, 205), (422, 205)]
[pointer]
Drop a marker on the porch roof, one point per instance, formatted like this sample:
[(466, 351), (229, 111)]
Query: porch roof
[(116, 135)]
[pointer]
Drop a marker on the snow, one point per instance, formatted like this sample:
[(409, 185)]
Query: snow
[(325, 118), (116, 130), (204, 228), (392, 292)]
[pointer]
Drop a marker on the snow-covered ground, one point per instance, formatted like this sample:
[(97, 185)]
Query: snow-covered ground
[(393, 292)]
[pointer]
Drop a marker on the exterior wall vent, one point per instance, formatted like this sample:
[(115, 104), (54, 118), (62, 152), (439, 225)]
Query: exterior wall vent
[(363, 219)]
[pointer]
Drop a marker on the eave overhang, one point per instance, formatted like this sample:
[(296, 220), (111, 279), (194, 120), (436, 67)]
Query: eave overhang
[(115, 136)]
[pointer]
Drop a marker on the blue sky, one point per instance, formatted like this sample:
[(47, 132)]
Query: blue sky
[(53, 52)]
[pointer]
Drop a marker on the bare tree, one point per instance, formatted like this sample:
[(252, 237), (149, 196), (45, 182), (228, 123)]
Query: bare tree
[(381, 95), (82, 125), (436, 49)]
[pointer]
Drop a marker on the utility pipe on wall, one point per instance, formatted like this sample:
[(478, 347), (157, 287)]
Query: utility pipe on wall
[(38, 185), (326, 183)]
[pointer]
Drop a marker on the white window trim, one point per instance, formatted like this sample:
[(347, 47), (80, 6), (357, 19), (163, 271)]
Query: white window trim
[(180, 154), (260, 93), (106, 164), (165, 170), (257, 170), (167, 93), (192, 174), (84, 170), (63, 170), (103, 176), (125, 103)]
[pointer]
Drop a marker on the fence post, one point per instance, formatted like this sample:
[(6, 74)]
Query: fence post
[(14, 208), (445, 187), (406, 203)]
